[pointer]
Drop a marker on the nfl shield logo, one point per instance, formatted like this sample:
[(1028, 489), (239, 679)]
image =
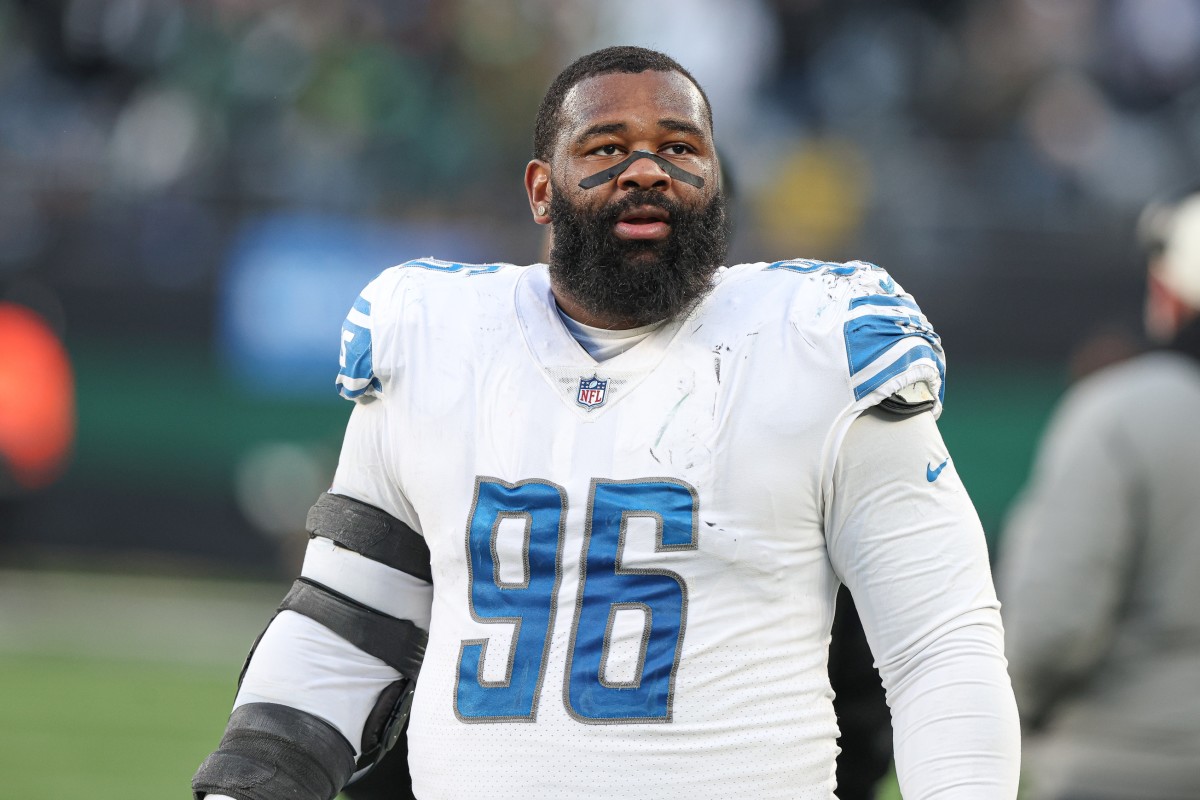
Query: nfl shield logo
[(592, 392)]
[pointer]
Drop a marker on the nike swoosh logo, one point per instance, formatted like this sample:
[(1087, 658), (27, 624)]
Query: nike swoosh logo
[(931, 474)]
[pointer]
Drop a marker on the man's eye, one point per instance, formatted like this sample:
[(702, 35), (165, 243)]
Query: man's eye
[(677, 149), (607, 150)]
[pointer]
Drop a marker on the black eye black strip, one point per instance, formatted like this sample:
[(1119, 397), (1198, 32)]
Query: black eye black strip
[(607, 175)]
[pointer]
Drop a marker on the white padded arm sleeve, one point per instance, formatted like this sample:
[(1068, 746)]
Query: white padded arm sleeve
[(302, 664), (299, 662)]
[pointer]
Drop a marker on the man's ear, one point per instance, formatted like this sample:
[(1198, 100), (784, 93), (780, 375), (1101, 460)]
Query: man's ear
[(537, 186)]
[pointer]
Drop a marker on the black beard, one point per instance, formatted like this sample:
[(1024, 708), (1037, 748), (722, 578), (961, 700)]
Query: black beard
[(637, 282)]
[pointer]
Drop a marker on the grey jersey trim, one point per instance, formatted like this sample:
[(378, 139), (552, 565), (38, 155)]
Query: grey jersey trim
[(275, 752), (397, 642), (370, 532)]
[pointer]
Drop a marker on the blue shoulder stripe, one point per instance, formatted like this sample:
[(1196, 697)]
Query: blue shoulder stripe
[(437, 265), (884, 300), (356, 375), (806, 265), (870, 336), (898, 366), (889, 335)]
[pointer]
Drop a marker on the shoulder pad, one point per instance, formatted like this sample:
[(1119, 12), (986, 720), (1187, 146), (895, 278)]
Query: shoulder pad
[(362, 372), (356, 376), (890, 344)]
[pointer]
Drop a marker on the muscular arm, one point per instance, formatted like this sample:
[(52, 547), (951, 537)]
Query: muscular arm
[(912, 552), (324, 668)]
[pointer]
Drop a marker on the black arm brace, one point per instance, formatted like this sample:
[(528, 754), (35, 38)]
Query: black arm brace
[(396, 642), (270, 752), (273, 752), (370, 532)]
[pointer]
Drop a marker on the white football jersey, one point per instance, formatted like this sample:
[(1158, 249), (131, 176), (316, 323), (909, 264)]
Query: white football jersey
[(632, 592)]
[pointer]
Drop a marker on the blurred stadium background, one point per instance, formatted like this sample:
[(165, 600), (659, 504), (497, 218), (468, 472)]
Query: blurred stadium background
[(192, 193)]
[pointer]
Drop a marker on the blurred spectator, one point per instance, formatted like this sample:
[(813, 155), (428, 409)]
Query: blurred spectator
[(1099, 575)]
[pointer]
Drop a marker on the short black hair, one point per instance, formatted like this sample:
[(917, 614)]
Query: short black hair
[(622, 58)]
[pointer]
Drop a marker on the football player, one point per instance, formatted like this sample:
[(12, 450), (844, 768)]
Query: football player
[(590, 517)]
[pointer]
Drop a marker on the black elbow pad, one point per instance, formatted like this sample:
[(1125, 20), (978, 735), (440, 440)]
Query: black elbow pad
[(274, 752)]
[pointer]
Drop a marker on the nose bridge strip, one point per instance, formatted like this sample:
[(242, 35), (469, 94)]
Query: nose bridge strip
[(604, 176)]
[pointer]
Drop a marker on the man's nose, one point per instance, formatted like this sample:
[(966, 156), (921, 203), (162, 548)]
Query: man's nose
[(644, 174)]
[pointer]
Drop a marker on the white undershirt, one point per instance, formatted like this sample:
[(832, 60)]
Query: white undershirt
[(603, 343)]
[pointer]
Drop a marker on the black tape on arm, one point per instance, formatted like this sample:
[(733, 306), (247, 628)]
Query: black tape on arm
[(604, 176), (396, 642), (370, 532), (274, 752)]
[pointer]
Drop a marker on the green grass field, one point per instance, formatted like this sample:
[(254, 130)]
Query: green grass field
[(117, 687), (80, 728)]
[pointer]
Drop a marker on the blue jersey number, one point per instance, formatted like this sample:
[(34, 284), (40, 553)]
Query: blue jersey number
[(606, 587), (529, 604)]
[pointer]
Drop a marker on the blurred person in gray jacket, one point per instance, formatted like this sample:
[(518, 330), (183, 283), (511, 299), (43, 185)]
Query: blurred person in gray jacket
[(1100, 571)]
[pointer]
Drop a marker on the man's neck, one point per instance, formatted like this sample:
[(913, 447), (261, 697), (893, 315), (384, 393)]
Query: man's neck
[(569, 306)]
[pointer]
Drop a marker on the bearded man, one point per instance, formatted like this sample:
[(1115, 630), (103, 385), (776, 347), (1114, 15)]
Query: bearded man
[(590, 518)]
